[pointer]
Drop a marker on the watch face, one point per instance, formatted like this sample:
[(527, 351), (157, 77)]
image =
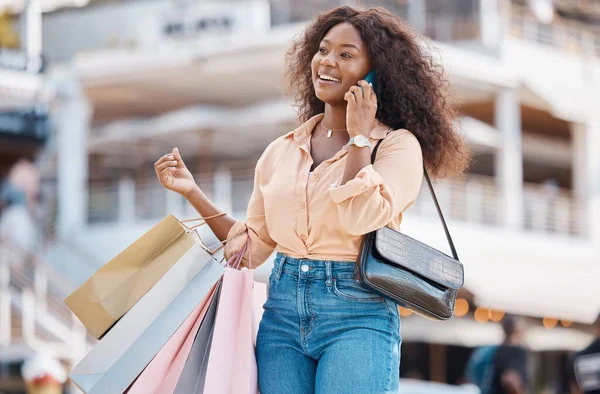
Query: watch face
[(361, 141)]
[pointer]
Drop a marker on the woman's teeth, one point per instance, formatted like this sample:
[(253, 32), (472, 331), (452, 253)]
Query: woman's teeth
[(327, 78)]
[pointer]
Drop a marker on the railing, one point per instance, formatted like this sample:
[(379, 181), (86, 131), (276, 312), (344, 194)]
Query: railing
[(129, 201), (449, 28), (570, 36), (456, 21), (439, 19), (552, 211), (475, 199), (284, 12), (478, 200), (32, 292)]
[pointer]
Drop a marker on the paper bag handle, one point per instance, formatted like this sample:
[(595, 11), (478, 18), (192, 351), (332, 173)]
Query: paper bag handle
[(204, 219), (195, 227), (236, 260), (209, 249), (223, 243)]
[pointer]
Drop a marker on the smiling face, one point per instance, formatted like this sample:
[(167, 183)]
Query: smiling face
[(340, 62)]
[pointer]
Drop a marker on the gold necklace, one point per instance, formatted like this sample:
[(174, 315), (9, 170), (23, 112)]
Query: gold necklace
[(329, 131)]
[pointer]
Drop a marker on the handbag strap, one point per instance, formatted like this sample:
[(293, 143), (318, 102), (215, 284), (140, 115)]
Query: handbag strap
[(435, 201)]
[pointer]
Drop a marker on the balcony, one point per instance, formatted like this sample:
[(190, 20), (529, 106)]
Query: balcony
[(193, 30), (474, 199), (477, 199), (444, 21), (193, 27), (570, 36)]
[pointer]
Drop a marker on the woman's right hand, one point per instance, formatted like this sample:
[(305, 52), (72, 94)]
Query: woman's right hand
[(174, 175)]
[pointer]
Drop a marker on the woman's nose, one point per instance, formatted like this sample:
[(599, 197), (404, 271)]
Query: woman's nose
[(328, 61)]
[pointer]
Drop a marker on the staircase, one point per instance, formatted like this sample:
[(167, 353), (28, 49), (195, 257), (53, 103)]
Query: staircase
[(33, 316)]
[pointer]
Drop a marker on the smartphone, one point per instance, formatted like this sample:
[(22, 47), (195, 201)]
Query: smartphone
[(370, 78)]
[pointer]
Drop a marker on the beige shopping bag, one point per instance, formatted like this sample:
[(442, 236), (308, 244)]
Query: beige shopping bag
[(114, 363), (117, 286)]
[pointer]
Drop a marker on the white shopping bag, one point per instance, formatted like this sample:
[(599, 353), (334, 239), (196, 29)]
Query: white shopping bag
[(121, 355)]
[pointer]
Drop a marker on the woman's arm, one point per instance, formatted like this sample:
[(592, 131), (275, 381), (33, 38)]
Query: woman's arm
[(220, 226), (379, 193), (174, 175)]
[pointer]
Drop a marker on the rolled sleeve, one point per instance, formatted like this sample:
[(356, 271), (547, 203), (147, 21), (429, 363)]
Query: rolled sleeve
[(367, 178), (261, 244), (237, 239), (380, 192)]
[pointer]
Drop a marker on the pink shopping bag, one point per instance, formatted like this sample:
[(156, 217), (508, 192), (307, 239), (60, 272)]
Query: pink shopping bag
[(162, 373), (232, 361)]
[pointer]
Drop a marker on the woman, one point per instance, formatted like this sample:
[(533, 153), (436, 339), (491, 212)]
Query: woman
[(316, 193)]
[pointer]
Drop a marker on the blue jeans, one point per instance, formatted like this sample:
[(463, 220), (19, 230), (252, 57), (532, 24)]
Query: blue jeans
[(322, 333)]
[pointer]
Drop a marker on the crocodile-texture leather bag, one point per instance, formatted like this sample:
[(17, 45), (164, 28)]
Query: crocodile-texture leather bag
[(408, 272)]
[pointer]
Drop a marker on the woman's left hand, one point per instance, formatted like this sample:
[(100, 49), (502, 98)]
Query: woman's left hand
[(361, 110)]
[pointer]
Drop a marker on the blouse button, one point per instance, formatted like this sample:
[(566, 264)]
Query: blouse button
[(303, 205)]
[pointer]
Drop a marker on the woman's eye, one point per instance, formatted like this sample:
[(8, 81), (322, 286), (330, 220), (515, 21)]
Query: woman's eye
[(347, 55), (322, 50)]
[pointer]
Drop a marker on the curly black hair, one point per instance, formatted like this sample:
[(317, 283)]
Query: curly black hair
[(412, 91)]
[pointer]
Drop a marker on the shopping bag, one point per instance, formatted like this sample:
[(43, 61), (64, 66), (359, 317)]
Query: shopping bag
[(112, 290), (115, 362), (161, 374), (193, 376), (232, 360)]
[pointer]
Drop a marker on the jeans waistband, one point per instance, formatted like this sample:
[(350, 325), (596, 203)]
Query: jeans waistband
[(315, 269)]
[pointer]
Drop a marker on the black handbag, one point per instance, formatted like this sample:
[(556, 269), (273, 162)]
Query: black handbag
[(409, 272)]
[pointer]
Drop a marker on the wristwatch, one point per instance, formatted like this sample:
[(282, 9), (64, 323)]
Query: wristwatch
[(359, 141)]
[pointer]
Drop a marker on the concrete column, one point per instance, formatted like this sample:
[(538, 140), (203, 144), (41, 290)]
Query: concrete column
[(32, 34), (417, 14), (586, 175), (223, 190), (579, 166), (175, 204), (126, 198), (509, 157), (72, 119), (40, 280), (593, 169), (490, 23), (5, 299), (579, 174), (28, 316)]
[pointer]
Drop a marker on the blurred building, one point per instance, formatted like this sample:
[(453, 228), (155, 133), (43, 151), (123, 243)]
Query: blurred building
[(133, 79), (24, 95), (33, 318)]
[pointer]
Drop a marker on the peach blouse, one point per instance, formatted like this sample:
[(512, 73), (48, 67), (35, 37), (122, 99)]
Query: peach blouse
[(313, 217)]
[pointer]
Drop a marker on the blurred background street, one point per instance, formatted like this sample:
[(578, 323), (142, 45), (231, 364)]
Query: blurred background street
[(93, 92)]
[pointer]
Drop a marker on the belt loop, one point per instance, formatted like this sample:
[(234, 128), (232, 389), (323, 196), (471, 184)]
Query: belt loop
[(279, 261), (328, 273)]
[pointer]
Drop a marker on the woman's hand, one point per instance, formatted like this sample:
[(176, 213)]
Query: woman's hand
[(174, 175), (361, 110)]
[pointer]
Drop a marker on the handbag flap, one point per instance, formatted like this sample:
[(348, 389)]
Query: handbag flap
[(420, 258)]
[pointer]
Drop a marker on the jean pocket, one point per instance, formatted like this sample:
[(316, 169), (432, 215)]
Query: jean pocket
[(349, 290)]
